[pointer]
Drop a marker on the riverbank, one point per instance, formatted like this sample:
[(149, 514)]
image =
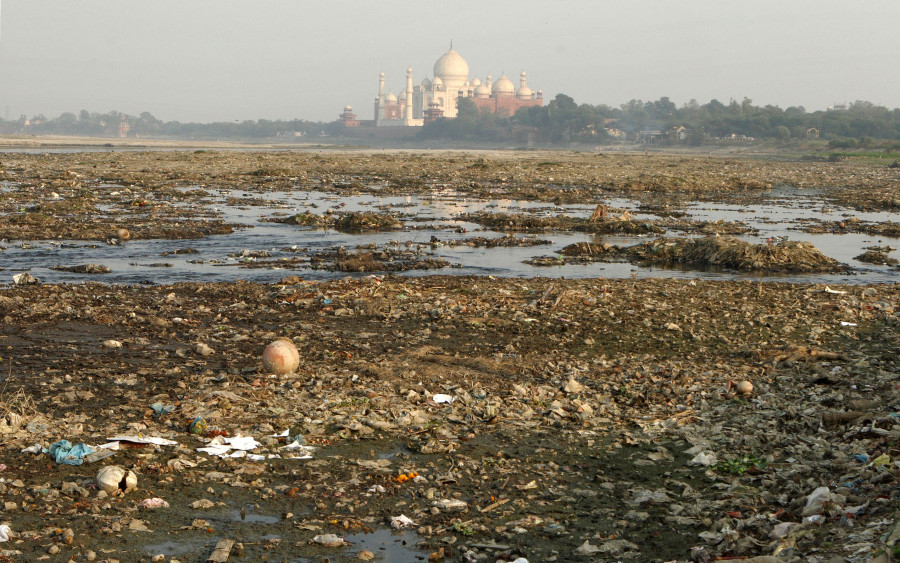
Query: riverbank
[(549, 419)]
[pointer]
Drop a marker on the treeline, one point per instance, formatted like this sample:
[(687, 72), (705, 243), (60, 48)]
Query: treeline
[(116, 124), (562, 120)]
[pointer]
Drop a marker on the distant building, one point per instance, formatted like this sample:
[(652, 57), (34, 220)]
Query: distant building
[(437, 97)]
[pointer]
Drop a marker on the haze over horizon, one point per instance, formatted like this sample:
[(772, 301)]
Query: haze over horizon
[(228, 60)]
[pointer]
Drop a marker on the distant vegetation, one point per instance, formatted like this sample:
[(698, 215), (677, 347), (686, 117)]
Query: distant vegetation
[(859, 125), (116, 124), (563, 121)]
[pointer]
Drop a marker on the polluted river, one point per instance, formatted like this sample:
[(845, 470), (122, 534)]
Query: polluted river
[(491, 356), (435, 227)]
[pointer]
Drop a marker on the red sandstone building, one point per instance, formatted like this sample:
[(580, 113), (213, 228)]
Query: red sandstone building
[(437, 97)]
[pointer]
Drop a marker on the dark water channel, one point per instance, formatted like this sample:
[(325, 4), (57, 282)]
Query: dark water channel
[(225, 257)]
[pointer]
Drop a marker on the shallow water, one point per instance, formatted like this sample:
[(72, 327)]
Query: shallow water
[(218, 257)]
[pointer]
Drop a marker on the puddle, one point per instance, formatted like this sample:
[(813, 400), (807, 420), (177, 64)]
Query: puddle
[(223, 258), (251, 518), (388, 545)]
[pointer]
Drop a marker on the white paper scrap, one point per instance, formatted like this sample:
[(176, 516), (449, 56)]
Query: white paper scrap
[(144, 440)]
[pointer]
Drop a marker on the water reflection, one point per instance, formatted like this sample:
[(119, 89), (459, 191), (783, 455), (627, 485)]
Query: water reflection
[(217, 258)]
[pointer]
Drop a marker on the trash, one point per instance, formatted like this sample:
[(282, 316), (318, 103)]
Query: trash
[(160, 409), (452, 505), (154, 503), (573, 386), (204, 349), (817, 499), (112, 344), (64, 452), (115, 479), (281, 357), (25, 279), (782, 529), (883, 459), (141, 440), (587, 549), (817, 519), (845, 323), (330, 540), (440, 398), (198, 426), (705, 459), (402, 521), (744, 388), (5, 532), (221, 552), (235, 446)]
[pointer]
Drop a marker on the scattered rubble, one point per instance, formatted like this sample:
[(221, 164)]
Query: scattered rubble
[(490, 419), (570, 414)]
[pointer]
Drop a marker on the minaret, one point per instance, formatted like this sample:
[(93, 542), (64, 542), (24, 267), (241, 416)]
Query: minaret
[(379, 101), (409, 98), (522, 79)]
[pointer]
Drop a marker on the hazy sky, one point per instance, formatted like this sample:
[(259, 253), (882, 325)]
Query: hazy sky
[(225, 60)]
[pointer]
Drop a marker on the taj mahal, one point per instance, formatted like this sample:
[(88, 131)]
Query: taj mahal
[(437, 97)]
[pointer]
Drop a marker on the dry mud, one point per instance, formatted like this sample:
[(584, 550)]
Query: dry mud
[(580, 410)]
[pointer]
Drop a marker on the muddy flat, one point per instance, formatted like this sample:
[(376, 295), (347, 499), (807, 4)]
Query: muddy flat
[(435, 417)]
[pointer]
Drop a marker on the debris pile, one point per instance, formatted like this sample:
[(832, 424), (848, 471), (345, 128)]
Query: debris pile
[(727, 252)]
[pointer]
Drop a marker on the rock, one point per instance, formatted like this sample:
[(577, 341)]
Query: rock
[(203, 349)]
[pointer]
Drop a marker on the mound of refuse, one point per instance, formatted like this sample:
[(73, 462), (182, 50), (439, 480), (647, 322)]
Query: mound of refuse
[(736, 254), (355, 222)]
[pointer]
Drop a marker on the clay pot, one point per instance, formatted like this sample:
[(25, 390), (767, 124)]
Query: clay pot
[(115, 479), (281, 357), (744, 388)]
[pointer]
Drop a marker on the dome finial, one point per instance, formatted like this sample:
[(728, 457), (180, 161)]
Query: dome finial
[(451, 44)]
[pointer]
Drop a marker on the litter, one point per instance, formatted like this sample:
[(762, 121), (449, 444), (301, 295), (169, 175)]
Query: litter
[(402, 521), (64, 452), (330, 540), (143, 440), (154, 503)]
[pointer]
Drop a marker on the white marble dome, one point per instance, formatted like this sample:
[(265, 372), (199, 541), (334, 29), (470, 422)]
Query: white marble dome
[(451, 66), (503, 86)]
